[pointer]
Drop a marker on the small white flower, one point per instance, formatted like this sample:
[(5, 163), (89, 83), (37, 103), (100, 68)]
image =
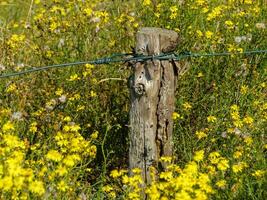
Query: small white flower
[(16, 116), (61, 43), (46, 48), (62, 98), (83, 196), (97, 29), (27, 25), (249, 37), (238, 39), (51, 104), (237, 131), (260, 25), (95, 20), (2, 67), (245, 135), (20, 65), (72, 123), (224, 134), (244, 38)]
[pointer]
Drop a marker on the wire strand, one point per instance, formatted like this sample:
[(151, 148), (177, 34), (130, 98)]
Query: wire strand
[(121, 57)]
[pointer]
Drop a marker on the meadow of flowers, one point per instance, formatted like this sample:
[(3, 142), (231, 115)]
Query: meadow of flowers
[(64, 132)]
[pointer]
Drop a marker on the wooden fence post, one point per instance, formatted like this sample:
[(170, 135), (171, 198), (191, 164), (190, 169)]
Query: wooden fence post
[(152, 90)]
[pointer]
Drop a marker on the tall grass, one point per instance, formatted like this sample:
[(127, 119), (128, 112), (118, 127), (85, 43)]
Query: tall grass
[(64, 132)]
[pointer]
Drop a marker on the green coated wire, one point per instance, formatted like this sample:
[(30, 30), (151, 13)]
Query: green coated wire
[(227, 53), (134, 57), (35, 69)]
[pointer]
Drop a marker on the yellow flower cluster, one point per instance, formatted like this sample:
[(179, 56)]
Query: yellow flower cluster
[(221, 162), (237, 122), (16, 40), (216, 12), (173, 182), (15, 177), (44, 154), (20, 176)]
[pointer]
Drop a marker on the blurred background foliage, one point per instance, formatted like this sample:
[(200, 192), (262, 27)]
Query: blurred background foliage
[(221, 101)]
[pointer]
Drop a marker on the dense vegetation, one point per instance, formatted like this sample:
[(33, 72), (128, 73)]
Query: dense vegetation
[(64, 133)]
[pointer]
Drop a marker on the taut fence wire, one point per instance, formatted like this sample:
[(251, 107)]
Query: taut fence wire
[(131, 57)]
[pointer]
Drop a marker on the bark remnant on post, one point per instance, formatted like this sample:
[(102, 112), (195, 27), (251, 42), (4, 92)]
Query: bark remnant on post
[(152, 91)]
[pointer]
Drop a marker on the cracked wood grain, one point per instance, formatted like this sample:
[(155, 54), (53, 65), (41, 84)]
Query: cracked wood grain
[(152, 94)]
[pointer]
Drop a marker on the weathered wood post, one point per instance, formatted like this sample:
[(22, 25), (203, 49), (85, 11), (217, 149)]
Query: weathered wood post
[(152, 90)]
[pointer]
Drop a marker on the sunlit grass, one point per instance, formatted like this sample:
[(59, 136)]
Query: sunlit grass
[(64, 133)]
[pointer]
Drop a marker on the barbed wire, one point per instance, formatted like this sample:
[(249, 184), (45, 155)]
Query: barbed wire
[(128, 57)]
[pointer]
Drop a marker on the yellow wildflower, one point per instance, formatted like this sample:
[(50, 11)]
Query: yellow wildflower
[(67, 119), (173, 10), (59, 92), (187, 106), (200, 134), (234, 107), (6, 183), (208, 34), (244, 89), (12, 87), (200, 2), (33, 127), (8, 126), (94, 135), (200, 74), (258, 173), (199, 155), (74, 77), (211, 170), (37, 187), (62, 186), (146, 2), (42, 171), (248, 2), (88, 11), (214, 157), (54, 155), (248, 140), (216, 12), (136, 171), (166, 175), (238, 123), (107, 188), (183, 195), (115, 173), (93, 93), (176, 115), (221, 184), (70, 160), (223, 164), (248, 120), (211, 119), (239, 167), (229, 24), (92, 151), (75, 128), (61, 170), (166, 159), (237, 154)]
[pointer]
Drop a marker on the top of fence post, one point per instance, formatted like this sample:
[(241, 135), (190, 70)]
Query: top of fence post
[(153, 41)]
